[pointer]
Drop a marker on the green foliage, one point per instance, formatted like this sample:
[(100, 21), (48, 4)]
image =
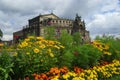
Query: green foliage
[(77, 40), (114, 49), (35, 55), (66, 59), (66, 39), (28, 64), (5, 66), (50, 33), (86, 56), (115, 77)]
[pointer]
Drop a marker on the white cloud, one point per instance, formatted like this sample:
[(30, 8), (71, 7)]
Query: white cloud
[(7, 37), (101, 16), (105, 23)]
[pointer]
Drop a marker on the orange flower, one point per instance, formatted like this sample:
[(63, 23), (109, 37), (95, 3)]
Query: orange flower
[(77, 69)]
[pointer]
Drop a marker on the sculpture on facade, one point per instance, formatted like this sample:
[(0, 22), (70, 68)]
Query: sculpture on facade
[(76, 24)]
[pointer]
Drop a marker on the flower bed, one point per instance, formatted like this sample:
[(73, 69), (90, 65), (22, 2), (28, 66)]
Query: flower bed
[(96, 73), (37, 58)]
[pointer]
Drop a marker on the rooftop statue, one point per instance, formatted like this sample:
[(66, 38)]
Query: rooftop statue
[(76, 25), (77, 18)]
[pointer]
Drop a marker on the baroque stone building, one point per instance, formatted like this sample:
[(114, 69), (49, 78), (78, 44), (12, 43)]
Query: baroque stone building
[(38, 24)]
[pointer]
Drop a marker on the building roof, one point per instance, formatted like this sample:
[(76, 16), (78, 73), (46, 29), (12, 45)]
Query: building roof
[(50, 14), (44, 15)]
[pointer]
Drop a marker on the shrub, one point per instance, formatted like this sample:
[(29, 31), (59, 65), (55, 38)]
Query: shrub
[(66, 57), (50, 33), (86, 56), (5, 66), (77, 39), (66, 39), (35, 54), (114, 47)]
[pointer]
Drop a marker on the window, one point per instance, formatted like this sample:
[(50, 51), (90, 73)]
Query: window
[(60, 21), (53, 21)]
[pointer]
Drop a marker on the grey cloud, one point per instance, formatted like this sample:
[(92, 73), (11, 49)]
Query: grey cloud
[(105, 24), (15, 14), (84, 8)]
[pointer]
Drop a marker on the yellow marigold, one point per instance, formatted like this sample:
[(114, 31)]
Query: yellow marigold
[(77, 78), (44, 41), (39, 42), (51, 55), (106, 47), (27, 53), (72, 74), (82, 74), (56, 47), (27, 39), (36, 50), (57, 42), (62, 46), (100, 49), (66, 76), (51, 42), (42, 46), (108, 53), (31, 37), (39, 38), (49, 50), (1, 44), (96, 42), (24, 44), (55, 78)]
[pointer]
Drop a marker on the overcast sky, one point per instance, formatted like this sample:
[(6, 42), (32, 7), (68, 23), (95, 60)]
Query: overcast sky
[(101, 16)]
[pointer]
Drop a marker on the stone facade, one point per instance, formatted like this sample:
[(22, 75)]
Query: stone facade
[(37, 25)]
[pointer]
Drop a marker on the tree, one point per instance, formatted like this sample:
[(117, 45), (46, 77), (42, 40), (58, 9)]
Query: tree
[(77, 38), (1, 34), (49, 33)]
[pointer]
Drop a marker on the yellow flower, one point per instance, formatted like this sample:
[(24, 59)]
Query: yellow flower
[(31, 37), (76, 78), (55, 78), (39, 38), (24, 44), (42, 46), (51, 42), (39, 42), (27, 39), (62, 46), (82, 74), (66, 76), (1, 44), (49, 50), (36, 50), (56, 47), (27, 53), (106, 47), (108, 53), (100, 49), (15, 54), (51, 55)]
